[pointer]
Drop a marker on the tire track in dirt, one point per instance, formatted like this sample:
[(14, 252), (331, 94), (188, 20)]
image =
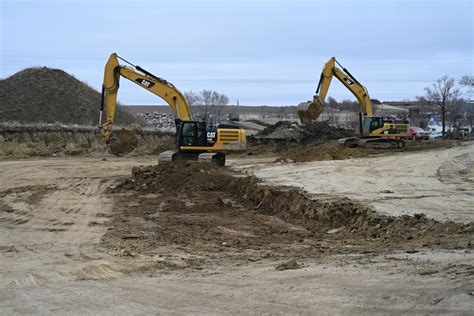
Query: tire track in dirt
[(53, 237), (52, 215)]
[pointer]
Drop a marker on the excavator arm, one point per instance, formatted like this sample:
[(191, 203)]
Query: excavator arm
[(122, 142), (158, 86), (310, 111)]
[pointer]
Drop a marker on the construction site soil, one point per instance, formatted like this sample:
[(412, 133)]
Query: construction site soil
[(29, 140), (334, 151), (80, 235), (317, 141), (313, 133), (52, 96), (213, 214)]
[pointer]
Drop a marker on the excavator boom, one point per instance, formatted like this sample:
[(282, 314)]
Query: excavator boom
[(123, 142), (310, 111)]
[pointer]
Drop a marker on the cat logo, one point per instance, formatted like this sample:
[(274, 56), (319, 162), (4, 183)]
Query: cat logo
[(211, 137), (145, 83)]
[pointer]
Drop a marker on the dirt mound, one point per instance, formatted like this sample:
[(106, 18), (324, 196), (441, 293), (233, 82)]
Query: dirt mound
[(328, 151), (333, 151), (52, 96), (314, 133), (177, 176)]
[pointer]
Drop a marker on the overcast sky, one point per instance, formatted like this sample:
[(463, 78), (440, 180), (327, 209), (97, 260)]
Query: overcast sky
[(260, 52)]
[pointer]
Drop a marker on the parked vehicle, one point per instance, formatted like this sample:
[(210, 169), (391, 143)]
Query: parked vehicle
[(419, 133), (435, 132)]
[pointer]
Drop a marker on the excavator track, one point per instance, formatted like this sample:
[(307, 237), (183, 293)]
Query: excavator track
[(382, 143), (167, 156), (372, 143), (217, 158), (170, 155)]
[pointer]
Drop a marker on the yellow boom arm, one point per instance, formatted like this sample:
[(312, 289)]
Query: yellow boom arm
[(312, 110), (165, 90)]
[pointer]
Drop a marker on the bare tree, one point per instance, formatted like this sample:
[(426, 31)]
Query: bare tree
[(214, 103), (211, 102), (468, 83), (192, 98), (444, 95)]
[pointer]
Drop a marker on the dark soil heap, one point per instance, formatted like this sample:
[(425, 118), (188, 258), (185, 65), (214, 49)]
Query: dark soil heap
[(52, 96), (314, 133)]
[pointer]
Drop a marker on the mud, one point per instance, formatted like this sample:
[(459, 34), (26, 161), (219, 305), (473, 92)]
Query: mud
[(211, 212)]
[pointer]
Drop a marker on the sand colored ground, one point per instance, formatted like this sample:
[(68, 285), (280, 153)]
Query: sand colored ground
[(439, 183), (54, 213)]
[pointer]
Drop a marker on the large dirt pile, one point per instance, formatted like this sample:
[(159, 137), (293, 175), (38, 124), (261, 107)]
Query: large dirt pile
[(314, 133), (52, 96)]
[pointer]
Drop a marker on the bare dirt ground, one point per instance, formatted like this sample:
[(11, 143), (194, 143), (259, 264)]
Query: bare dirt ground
[(439, 183), (70, 244)]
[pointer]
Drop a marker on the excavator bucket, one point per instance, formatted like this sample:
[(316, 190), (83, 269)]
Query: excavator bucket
[(309, 111), (122, 142)]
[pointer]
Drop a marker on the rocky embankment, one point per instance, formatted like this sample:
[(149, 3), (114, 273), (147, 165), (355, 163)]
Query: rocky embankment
[(59, 140)]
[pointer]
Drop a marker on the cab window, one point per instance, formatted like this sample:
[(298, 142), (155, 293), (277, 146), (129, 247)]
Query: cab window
[(189, 134)]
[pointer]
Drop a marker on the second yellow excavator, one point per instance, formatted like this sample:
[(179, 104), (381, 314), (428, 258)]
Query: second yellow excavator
[(375, 132), (195, 140)]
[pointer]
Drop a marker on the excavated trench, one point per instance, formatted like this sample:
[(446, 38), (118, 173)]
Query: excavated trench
[(213, 213)]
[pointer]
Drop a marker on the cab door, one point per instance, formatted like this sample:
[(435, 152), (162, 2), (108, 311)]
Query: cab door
[(192, 133)]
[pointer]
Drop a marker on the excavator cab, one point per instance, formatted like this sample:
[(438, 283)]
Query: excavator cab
[(194, 133), (371, 124)]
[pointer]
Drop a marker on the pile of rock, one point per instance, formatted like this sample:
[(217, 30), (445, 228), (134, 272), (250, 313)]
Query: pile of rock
[(159, 120)]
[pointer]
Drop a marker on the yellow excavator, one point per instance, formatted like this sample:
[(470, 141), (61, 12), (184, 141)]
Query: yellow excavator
[(195, 140), (375, 132)]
